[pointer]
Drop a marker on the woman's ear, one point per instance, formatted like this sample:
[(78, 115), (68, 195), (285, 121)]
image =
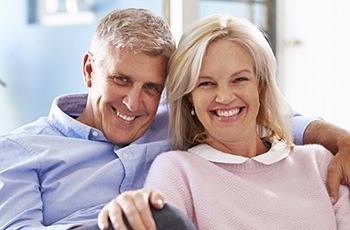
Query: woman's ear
[(261, 85), (189, 97), (87, 69)]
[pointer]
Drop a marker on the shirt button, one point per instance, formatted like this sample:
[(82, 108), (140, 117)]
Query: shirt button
[(95, 134), (125, 155)]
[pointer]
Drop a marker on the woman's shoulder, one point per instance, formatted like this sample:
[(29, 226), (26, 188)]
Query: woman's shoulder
[(178, 159), (314, 151), (175, 155)]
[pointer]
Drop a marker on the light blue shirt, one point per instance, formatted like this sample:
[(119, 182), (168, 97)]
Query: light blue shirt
[(58, 172), (300, 123)]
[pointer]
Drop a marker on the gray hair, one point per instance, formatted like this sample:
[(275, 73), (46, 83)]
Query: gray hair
[(136, 29)]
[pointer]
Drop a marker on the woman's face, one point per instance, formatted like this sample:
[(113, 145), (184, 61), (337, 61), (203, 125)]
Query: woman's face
[(226, 97)]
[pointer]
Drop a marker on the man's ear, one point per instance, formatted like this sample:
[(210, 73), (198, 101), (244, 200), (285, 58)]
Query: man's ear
[(87, 69)]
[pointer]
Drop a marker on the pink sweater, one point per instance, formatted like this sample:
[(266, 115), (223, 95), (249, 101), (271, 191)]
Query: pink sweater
[(287, 194)]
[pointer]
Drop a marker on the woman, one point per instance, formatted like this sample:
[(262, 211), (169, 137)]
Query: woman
[(238, 167)]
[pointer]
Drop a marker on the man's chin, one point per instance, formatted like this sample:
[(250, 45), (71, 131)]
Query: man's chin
[(123, 137)]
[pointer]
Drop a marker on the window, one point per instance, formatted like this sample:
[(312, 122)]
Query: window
[(180, 13), (260, 12), (61, 12)]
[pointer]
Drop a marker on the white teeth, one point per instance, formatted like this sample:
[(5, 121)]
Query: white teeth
[(227, 113), (124, 117)]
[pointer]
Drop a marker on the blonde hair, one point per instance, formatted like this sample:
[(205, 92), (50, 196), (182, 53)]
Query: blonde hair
[(136, 29), (185, 65)]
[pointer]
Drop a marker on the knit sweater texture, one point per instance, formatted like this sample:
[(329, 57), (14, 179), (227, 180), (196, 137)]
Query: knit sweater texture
[(287, 194)]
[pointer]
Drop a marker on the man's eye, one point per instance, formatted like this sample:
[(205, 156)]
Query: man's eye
[(153, 88), (121, 80)]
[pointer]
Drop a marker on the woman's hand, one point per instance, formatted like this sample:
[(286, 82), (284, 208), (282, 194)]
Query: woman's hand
[(135, 206)]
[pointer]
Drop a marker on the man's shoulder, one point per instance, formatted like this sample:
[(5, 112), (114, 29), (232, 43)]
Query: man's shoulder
[(19, 145), (38, 127), (30, 132)]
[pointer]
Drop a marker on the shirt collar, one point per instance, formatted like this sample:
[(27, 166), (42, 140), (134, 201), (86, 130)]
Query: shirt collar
[(277, 152), (64, 110)]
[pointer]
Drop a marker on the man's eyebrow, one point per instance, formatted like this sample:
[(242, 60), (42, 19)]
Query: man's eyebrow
[(155, 83), (117, 73)]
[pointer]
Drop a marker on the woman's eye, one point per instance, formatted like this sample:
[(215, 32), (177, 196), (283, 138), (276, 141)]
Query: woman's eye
[(240, 79), (205, 84)]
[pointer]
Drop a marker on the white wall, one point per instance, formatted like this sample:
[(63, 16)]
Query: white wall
[(315, 74), (9, 116)]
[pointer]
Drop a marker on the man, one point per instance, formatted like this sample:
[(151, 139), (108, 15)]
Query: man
[(60, 171)]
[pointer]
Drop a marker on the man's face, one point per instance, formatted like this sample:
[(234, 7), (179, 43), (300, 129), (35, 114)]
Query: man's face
[(124, 93)]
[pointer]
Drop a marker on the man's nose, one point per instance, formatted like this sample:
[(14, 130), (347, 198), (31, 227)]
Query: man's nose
[(132, 99)]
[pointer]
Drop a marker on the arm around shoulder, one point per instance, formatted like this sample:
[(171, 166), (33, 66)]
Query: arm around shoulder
[(336, 140)]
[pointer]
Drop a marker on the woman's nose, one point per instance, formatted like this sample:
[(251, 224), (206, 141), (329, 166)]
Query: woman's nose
[(225, 95)]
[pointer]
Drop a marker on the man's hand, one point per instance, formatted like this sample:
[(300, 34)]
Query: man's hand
[(336, 140), (135, 205), (339, 170)]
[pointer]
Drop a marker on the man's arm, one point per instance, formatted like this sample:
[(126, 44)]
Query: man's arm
[(336, 140), (21, 202)]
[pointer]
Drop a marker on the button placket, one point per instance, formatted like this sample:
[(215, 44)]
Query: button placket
[(128, 162)]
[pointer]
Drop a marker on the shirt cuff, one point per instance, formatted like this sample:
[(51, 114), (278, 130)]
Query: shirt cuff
[(300, 123)]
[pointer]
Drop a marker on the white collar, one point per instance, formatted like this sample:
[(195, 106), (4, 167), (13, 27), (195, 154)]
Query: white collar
[(278, 151)]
